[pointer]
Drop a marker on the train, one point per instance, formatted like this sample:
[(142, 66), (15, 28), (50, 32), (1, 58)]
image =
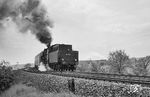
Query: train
[(58, 57)]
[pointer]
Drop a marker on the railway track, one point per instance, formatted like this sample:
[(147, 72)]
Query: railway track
[(143, 80)]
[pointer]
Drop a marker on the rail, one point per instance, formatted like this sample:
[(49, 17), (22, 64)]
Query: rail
[(101, 76)]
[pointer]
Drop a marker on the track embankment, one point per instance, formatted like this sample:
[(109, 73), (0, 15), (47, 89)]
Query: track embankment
[(80, 86), (143, 80)]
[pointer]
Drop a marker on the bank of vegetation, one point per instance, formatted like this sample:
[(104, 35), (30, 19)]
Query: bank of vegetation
[(6, 76), (83, 87), (118, 62)]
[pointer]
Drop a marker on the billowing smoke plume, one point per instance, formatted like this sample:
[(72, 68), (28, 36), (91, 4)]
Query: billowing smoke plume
[(28, 15)]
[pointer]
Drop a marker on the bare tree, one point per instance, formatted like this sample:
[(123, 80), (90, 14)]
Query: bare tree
[(141, 66), (94, 66), (117, 60), (81, 68)]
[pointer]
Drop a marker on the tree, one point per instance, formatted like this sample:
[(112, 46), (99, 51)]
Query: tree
[(117, 60), (94, 66), (81, 68), (141, 66)]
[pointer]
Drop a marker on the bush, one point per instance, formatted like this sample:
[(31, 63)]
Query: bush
[(6, 77)]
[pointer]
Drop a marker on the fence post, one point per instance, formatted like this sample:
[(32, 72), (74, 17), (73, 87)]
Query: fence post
[(71, 85)]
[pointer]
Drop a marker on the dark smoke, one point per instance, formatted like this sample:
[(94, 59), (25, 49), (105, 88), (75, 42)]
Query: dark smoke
[(29, 15)]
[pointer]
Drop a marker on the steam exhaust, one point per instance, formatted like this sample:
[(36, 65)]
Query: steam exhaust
[(28, 15)]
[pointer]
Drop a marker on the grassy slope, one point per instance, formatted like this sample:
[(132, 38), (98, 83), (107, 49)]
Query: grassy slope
[(20, 90)]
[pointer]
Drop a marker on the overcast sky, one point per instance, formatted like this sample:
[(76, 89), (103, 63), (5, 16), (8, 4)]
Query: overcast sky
[(93, 27)]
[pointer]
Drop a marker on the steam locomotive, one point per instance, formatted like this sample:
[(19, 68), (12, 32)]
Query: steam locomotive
[(59, 57)]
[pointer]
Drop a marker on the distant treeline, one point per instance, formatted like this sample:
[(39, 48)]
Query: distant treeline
[(118, 62)]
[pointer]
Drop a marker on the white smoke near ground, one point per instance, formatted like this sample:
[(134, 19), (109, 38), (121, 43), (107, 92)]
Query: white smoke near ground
[(42, 67)]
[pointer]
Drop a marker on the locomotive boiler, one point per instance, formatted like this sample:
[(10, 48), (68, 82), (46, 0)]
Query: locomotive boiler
[(59, 57)]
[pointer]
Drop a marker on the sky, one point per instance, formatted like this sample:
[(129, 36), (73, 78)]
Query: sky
[(93, 27)]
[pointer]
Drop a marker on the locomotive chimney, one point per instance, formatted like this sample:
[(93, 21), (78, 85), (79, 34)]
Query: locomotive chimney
[(48, 45)]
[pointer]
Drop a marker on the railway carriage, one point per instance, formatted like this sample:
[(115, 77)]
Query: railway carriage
[(58, 57)]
